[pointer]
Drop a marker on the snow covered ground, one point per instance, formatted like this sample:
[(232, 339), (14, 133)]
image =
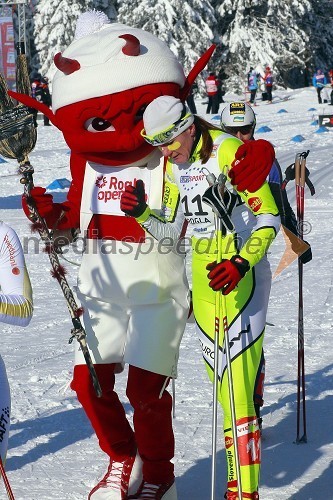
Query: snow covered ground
[(53, 453)]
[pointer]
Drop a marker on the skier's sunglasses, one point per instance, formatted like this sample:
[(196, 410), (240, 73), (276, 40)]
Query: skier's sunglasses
[(244, 130), (167, 135)]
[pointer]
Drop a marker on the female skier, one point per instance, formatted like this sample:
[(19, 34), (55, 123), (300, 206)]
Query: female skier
[(194, 148)]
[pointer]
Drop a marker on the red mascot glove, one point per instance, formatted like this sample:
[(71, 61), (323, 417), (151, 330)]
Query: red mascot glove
[(53, 213), (43, 202), (252, 164), (227, 274), (133, 199)]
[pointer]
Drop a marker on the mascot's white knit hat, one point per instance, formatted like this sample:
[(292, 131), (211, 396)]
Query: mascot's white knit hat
[(165, 118), (108, 58)]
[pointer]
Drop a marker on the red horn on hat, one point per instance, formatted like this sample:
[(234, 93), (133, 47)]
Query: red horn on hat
[(66, 65), (132, 46)]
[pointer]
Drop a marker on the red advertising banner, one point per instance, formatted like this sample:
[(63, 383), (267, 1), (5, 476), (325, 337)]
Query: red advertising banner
[(7, 50)]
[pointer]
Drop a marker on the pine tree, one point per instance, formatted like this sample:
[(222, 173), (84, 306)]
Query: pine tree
[(320, 26), (106, 6), (261, 32), (293, 37), (185, 26), (54, 29)]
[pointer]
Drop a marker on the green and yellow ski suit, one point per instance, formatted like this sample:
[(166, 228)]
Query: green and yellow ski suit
[(256, 221)]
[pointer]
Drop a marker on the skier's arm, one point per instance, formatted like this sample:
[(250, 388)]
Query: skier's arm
[(287, 214), (226, 275), (262, 205), (16, 304)]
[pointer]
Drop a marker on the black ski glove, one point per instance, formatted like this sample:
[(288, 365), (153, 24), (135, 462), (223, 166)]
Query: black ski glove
[(290, 176), (307, 255)]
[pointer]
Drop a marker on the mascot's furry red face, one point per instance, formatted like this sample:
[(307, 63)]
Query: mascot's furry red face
[(105, 80), (107, 129)]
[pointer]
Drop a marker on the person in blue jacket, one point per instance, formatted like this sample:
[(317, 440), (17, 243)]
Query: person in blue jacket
[(253, 85), (319, 81)]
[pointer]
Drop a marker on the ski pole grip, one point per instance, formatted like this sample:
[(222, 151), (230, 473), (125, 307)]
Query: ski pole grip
[(302, 172), (297, 169)]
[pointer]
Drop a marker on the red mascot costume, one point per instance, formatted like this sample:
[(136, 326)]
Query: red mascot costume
[(135, 298)]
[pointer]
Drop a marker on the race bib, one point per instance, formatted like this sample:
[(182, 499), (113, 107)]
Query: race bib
[(111, 183)]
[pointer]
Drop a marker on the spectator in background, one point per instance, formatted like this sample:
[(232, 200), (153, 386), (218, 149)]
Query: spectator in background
[(330, 76), (268, 80), (40, 92), (248, 75), (212, 84), (253, 85), (220, 91), (319, 81)]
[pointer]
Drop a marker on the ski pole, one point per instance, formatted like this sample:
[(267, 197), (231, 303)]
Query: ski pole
[(231, 388), (216, 373), (6, 481), (300, 169), (211, 179), (221, 218)]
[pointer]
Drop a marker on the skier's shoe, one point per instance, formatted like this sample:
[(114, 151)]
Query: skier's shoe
[(121, 479), (147, 491), (233, 495)]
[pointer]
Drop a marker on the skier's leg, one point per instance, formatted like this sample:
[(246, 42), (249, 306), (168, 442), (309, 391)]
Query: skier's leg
[(152, 420), (246, 310), (246, 336), (259, 388), (244, 368)]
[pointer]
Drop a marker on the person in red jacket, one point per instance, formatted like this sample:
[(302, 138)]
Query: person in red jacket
[(268, 80), (212, 84)]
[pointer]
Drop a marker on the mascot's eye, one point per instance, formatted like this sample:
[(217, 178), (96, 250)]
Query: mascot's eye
[(98, 125), (139, 113)]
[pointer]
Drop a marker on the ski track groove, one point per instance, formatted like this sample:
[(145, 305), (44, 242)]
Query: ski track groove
[(40, 359)]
